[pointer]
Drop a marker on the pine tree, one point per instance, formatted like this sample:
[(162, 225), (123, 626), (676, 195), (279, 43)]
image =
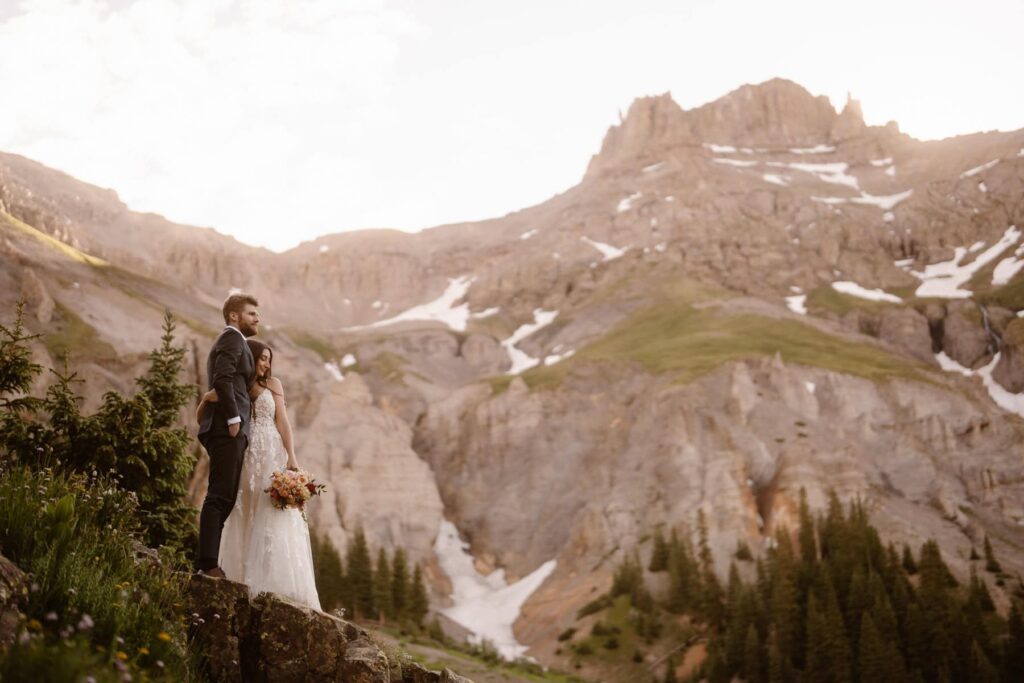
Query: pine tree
[(871, 658), (909, 565), (837, 642), (359, 573), (752, 667), (991, 564), (400, 585), (382, 586), (1013, 646), (712, 604), (980, 669), (160, 384), (419, 603), (659, 554), (328, 572), (17, 371)]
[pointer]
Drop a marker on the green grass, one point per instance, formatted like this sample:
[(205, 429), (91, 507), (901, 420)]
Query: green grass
[(65, 249), (825, 299), (75, 537), (1010, 295), (76, 338), (388, 365), (688, 343), (317, 345)]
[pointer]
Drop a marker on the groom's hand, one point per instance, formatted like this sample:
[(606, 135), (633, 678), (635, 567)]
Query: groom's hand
[(234, 429)]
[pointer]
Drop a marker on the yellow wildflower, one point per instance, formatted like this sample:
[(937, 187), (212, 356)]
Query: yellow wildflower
[(164, 636)]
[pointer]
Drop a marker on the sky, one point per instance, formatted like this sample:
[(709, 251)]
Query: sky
[(277, 121)]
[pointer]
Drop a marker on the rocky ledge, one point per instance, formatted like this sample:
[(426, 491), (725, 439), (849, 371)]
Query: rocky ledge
[(269, 638)]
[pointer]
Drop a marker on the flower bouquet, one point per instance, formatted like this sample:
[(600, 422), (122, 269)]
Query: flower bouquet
[(292, 488)]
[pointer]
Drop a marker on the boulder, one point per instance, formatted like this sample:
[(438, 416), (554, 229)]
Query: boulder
[(1009, 371), (964, 338), (13, 592), (907, 329), (270, 639)]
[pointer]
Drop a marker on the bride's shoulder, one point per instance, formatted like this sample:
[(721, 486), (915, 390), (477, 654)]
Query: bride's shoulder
[(274, 384)]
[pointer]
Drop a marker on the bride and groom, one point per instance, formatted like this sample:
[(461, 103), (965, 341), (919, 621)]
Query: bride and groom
[(244, 427)]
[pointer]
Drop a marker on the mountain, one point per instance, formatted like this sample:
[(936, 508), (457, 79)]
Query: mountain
[(737, 301)]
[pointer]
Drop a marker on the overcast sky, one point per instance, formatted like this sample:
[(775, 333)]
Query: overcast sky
[(279, 120)]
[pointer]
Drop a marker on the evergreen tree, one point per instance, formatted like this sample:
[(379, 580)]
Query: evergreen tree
[(659, 554), (712, 604), (980, 669), (419, 603), (359, 574), (382, 586), (328, 572), (400, 585), (909, 565), (872, 662), (160, 384), (837, 642), (991, 564), (752, 666), (17, 371), (1013, 647)]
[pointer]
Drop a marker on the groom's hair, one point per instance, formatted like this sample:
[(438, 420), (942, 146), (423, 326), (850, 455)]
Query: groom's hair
[(235, 303)]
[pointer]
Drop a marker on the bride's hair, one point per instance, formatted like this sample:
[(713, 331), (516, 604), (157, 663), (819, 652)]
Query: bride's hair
[(257, 348)]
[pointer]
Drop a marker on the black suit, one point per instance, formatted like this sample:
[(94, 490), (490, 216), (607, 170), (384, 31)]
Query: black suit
[(229, 368)]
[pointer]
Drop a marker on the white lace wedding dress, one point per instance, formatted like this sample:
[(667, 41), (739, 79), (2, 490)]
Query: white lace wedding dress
[(263, 547)]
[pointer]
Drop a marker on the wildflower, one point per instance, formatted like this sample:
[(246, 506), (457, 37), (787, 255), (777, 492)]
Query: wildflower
[(89, 679), (24, 638), (66, 631), (159, 664), (34, 625), (85, 623), (143, 650), (34, 588), (121, 655), (164, 636), (50, 616)]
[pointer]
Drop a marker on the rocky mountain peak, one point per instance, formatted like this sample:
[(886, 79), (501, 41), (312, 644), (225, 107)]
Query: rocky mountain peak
[(651, 123)]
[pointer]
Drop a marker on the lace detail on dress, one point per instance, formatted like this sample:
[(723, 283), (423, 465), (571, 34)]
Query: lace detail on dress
[(266, 548)]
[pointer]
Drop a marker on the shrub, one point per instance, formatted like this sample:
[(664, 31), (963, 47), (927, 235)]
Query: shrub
[(594, 606), (566, 635)]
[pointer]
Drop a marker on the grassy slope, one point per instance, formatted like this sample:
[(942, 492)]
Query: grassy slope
[(672, 336)]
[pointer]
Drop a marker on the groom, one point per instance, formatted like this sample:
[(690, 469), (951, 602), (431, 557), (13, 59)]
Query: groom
[(224, 430)]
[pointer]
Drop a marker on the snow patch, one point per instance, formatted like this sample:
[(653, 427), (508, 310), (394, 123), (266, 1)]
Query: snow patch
[(982, 186), (1006, 400), (627, 203), (660, 247), (776, 178), (608, 251), (348, 360), (817, 149), (324, 248), (486, 605), (979, 169), (811, 386), (853, 289), (888, 216), (878, 163), (486, 313), (891, 171), (1008, 267), (720, 149), (944, 279), (334, 371), (556, 358), (736, 162), (441, 309), (797, 303), (528, 234), (834, 173), (653, 167), (521, 360)]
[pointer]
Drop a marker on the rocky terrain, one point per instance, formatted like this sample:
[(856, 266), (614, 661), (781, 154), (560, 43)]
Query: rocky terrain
[(736, 302)]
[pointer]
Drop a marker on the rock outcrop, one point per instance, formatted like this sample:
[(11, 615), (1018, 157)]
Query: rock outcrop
[(13, 594), (270, 639)]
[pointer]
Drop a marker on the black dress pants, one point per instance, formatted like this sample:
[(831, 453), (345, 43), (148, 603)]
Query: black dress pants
[(226, 455)]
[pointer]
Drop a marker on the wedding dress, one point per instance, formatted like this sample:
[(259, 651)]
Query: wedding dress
[(261, 546)]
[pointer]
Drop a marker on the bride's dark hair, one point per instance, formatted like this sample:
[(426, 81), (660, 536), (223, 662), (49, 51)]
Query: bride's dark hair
[(257, 348)]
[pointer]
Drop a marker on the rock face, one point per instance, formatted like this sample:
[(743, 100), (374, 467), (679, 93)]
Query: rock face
[(964, 337), (270, 639), (13, 593), (1009, 371)]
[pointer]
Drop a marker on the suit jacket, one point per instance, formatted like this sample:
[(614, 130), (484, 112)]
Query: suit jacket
[(229, 368)]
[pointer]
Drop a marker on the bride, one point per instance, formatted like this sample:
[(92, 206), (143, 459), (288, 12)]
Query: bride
[(263, 547)]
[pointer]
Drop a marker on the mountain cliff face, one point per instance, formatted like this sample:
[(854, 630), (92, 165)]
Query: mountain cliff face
[(737, 301)]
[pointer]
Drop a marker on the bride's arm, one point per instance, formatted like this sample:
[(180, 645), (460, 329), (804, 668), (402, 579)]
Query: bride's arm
[(284, 427), (209, 397)]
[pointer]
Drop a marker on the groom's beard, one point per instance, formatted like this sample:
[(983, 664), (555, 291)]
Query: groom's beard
[(247, 330)]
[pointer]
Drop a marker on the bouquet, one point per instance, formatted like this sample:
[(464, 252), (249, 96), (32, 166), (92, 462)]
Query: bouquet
[(292, 488)]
